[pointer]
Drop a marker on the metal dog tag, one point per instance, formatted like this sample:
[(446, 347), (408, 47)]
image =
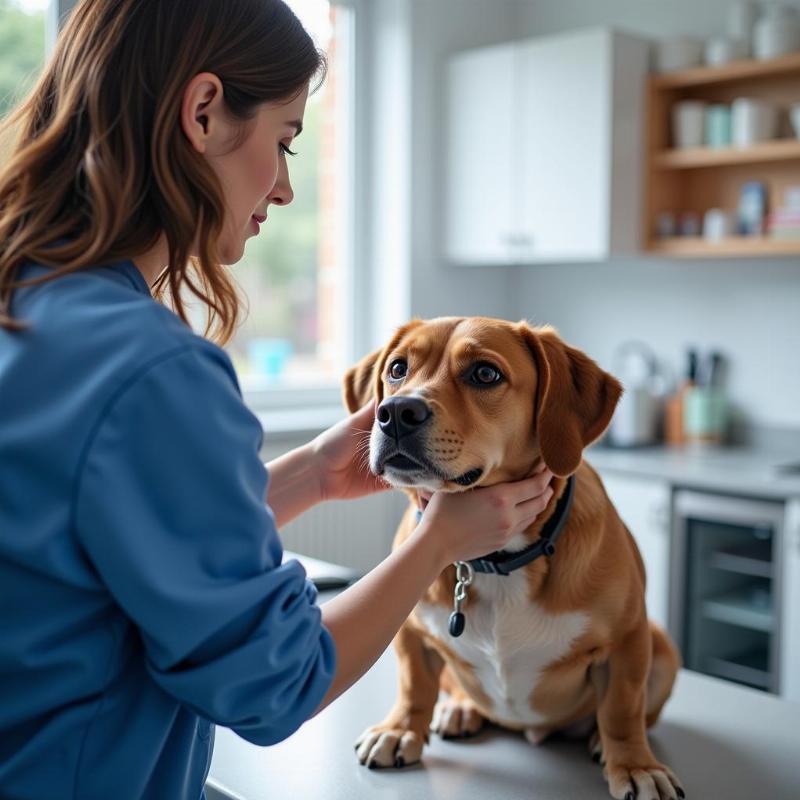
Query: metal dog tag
[(464, 577)]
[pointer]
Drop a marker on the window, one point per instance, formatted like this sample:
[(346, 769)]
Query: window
[(295, 274), (22, 48)]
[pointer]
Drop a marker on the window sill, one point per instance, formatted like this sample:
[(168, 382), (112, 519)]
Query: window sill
[(284, 423)]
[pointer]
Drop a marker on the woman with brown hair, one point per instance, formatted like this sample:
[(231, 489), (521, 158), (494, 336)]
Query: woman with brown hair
[(142, 586)]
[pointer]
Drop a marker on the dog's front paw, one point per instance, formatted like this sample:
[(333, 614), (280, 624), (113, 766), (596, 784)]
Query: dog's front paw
[(649, 780), (389, 747), (596, 747), (456, 719)]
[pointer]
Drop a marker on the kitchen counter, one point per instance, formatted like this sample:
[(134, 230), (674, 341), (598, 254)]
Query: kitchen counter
[(743, 471), (723, 740)]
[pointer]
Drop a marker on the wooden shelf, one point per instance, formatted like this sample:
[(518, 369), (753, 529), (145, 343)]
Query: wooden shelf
[(734, 246), (735, 71), (698, 179), (700, 157)]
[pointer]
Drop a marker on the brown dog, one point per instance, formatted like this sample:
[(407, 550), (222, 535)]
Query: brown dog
[(561, 643)]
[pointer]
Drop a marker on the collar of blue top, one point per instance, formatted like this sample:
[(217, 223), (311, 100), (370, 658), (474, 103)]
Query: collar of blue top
[(501, 562)]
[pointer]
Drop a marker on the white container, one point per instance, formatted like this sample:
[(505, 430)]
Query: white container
[(678, 52), (721, 50), (717, 224), (752, 121), (777, 33), (688, 123), (741, 21)]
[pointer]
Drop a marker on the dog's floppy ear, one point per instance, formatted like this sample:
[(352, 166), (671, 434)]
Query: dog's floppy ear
[(575, 399), (363, 382), (358, 384)]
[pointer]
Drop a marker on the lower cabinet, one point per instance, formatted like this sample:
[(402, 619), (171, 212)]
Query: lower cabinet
[(644, 505)]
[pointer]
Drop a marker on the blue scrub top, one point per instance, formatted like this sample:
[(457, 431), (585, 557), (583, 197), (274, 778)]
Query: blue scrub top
[(142, 594)]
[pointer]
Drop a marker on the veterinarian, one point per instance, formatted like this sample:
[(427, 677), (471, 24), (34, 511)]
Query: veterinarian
[(143, 594)]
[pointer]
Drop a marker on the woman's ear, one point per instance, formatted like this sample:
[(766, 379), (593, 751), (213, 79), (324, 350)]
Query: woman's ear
[(575, 399), (358, 385), (203, 117)]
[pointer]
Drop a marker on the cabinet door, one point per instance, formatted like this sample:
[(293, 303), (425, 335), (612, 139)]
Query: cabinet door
[(563, 138), (790, 605), (481, 157), (644, 505)]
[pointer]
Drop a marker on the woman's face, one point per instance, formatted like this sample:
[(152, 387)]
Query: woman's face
[(255, 175), (252, 171)]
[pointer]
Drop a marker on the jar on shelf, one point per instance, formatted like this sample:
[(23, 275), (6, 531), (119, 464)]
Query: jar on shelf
[(777, 32)]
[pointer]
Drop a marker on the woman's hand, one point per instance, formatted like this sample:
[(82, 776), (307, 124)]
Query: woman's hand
[(470, 524), (341, 456)]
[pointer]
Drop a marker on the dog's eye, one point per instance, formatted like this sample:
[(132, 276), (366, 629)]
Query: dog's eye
[(398, 370), (485, 375)]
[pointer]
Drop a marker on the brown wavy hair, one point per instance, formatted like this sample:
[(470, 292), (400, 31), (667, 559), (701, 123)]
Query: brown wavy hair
[(100, 168)]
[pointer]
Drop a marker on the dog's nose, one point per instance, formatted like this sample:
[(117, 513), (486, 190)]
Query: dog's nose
[(399, 416)]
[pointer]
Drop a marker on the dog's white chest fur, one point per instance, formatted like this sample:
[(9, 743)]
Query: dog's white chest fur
[(508, 640)]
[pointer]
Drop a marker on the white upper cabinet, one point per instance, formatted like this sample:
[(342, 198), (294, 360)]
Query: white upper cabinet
[(481, 161), (545, 149)]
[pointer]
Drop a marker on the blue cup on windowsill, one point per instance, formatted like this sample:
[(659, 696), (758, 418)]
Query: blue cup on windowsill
[(268, 357), (705, 414)]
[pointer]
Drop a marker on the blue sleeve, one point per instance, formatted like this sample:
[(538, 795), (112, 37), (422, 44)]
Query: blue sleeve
[(170, 510)]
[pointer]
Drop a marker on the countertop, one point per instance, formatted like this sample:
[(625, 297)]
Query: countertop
[(744, 470), (723, 741)]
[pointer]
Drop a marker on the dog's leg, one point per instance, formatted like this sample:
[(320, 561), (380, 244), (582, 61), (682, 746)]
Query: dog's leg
[(398, 740), (631, 769), (456, 716), (665, 664), (598, 674)]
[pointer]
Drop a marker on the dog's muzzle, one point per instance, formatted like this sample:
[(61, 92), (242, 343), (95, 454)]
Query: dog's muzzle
[(401, 419)]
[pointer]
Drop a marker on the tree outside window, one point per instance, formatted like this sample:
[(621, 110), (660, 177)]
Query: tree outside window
[(22, 48)]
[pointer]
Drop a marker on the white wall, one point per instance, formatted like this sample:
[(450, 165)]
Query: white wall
[(751, 310)]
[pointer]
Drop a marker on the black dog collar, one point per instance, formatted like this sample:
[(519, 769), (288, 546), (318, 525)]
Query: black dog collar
[(501, 562)]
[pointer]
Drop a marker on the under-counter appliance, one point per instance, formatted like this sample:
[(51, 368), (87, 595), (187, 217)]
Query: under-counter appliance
[(725, 606)]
